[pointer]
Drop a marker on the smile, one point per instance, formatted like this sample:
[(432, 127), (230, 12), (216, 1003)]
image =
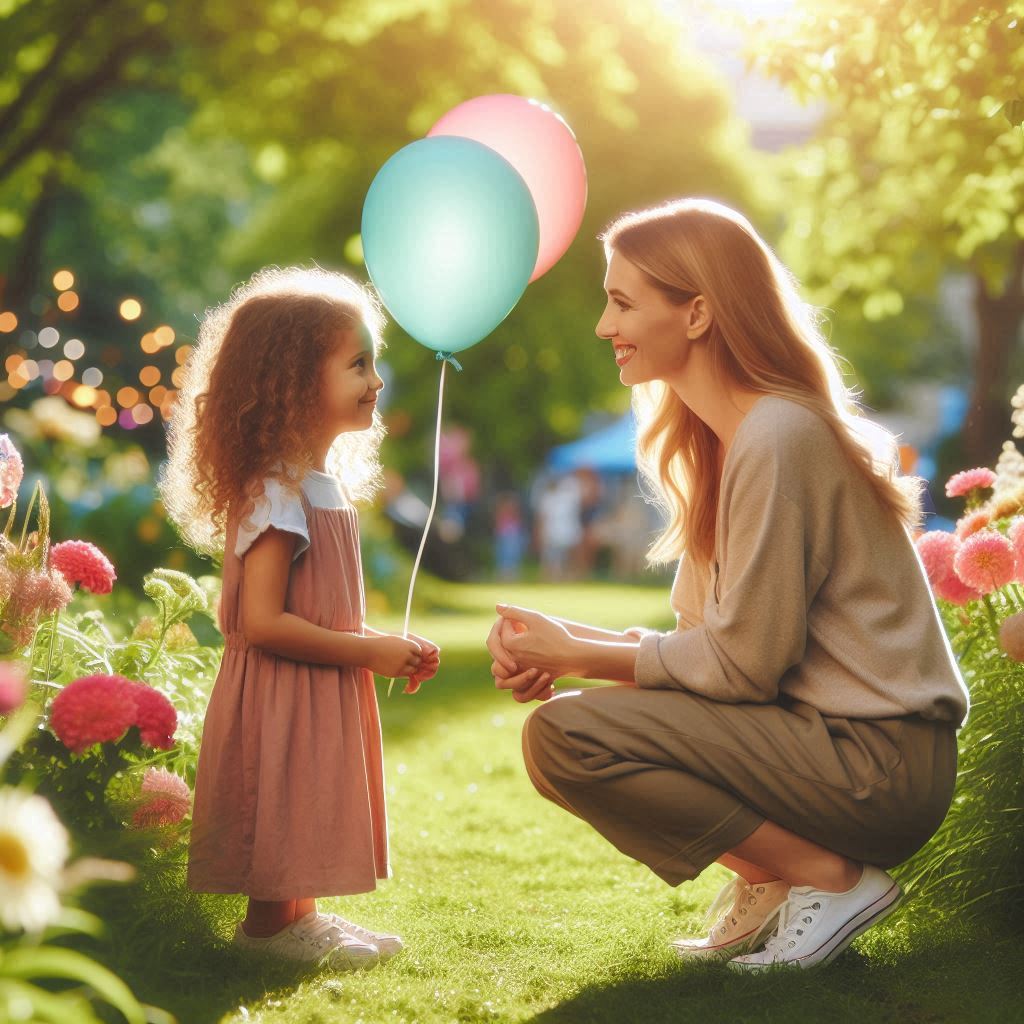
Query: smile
[(623, 354)]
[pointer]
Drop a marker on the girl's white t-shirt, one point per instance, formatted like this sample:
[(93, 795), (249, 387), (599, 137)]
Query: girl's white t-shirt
[(278, 507)]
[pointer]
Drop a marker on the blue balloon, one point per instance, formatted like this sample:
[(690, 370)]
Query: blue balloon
[(450, 236)]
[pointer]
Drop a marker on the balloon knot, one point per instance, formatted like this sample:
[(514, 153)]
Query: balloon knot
[(449, 357)]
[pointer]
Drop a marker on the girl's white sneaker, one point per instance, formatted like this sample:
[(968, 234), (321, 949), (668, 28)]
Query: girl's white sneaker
[(816, 926), (312, 939), (749, 916), (387, 945)]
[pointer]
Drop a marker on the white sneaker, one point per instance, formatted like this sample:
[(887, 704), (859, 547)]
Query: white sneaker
[(387, 945), (749, 914), (312, 939), (816, 926)]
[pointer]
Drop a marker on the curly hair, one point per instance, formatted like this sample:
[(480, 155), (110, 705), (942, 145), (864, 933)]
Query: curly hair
[(763, 338), (250, 400)]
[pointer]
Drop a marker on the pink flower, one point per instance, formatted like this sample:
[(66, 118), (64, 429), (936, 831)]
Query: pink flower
[(1016, 535), (12, 470), (93, 709), (937, 549), (985, 561), (84, 563), (38, 593), (1011, 636), (155, 716), (13, 686), (972, 523), (168, 799), (963, 483), (954, 590)]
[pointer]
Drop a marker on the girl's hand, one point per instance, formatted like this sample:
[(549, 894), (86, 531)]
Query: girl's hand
[(393, 656), (538, 642), (431, 663)]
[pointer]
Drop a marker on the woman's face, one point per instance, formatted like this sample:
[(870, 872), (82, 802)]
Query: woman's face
[(651, 338), (350, 382)]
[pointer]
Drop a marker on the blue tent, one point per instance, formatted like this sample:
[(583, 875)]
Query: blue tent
[(608, 450)]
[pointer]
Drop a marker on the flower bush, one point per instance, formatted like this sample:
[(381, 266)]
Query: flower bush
[(973, 864), (62, 760)]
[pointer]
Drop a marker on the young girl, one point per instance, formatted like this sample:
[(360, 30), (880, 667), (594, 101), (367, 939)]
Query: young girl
[(274, 436), (799, 724)]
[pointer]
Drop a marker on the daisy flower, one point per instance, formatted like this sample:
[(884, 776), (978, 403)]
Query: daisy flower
[(963, 483), (34, 846), (985, 561)]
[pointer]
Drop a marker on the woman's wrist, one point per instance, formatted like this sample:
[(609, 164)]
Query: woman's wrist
[(601, 659)]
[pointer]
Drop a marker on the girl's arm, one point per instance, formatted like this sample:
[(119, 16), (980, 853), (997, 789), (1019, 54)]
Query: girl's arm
[(268, 626)]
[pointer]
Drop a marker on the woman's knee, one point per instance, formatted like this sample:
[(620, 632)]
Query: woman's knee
[(547, 749)]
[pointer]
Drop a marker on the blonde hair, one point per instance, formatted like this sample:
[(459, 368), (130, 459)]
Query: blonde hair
[(250, 399), (763, 338)]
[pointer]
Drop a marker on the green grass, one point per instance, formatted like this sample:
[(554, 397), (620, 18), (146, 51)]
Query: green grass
[(512, 910)]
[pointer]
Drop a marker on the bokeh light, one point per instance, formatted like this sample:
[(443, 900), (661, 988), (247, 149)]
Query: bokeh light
[(64, 369), (63, 280), (149, 376), (106, 416), (142, 413), (127, 397), (182, 354), (8, 322), (67, 301), (93, 376), (74, 349), (131, 309), (48, 337), (164, 335)]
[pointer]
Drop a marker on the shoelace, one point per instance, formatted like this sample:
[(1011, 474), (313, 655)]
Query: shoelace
[(783, 939), (729, 897), (318, 930)]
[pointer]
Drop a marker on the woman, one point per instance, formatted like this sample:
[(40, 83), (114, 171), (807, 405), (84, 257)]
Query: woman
[(799, 724)]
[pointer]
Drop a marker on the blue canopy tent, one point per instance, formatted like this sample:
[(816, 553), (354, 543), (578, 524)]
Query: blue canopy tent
[(607, 450)]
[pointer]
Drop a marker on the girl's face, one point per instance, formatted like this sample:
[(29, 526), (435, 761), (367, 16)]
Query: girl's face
[(652, 339), (350, 382)]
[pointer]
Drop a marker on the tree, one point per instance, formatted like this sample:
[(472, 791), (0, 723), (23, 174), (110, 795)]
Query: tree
[(917, 170), (250, 135)]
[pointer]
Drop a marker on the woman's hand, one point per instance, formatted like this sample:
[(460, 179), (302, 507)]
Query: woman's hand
[(534, 641), (428, 668), (525, 686), (388, 655)]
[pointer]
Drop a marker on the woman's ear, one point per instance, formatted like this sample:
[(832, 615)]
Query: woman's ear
[(700, 318)]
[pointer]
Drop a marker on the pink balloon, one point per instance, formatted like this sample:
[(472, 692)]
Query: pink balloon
[(542, 148)]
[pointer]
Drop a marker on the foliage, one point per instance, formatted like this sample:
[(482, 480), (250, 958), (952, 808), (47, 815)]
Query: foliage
[(917, 168)]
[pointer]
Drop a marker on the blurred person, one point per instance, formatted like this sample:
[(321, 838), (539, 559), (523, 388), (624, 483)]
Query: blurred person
[(509, 535), (558, 526)]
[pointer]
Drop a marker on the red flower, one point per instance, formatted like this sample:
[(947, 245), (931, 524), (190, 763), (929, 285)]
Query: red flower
[(155, 716), (93, 709), (84, 563)]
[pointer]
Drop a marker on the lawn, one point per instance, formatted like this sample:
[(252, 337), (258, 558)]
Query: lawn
[(512, 910)]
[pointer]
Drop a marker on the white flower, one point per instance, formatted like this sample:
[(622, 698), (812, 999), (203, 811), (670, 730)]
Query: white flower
[(33, 849)]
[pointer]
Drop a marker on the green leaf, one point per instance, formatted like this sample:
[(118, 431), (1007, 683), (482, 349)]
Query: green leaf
[(51, 962), (65, 1008)]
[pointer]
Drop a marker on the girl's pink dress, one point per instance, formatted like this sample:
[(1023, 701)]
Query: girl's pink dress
[(289, 795)]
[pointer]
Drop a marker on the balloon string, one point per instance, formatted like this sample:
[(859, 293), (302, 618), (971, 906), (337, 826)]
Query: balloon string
[(433, 504), (449, 357)]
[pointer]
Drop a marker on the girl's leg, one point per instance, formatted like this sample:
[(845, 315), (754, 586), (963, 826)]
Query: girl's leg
[(775, 852), (304, 907), (267, 917)]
